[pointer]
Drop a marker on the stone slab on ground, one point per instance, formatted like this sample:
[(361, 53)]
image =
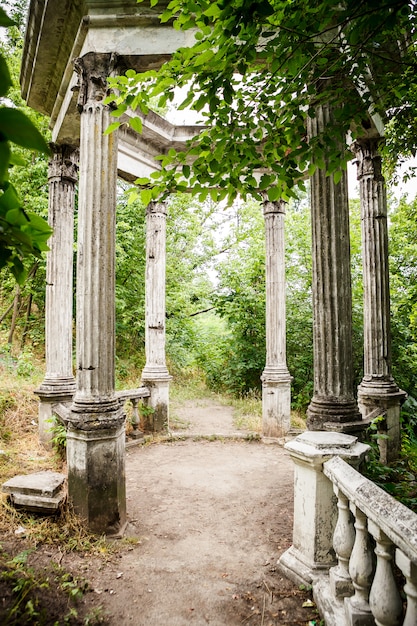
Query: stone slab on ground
[(41, 491)]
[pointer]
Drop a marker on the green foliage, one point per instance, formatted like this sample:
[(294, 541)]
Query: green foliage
[(398, 478), (58, 437), (256, 71), (240, 301), (31, 592), (403, 274), (23, 233)]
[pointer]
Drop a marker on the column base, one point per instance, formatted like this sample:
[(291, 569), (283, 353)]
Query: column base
[(50, 393), (96, 470), (383, 399), (323, 410), (340, 583), (293, 564), (155, 416), (356, 615), (276, 404)]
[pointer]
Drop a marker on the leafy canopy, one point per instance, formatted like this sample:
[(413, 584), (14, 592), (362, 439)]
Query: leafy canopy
[(257, 69), (23, 234)]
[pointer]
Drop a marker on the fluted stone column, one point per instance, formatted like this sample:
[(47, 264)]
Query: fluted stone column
[(155, 374), (378, 389), (333, 401), (58, 385), (96, 435), (276, 379)]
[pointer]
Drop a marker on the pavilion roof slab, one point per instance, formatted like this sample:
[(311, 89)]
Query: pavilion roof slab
[(60, 30)]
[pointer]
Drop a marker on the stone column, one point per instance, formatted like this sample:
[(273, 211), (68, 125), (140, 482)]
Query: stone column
[(315, 508), (276, 379), (155, 374), (378, 390), (96, 435), (333, 401), (58, 385)]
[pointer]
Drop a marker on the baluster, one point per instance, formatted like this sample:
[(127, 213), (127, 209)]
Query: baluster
[(384, 599), (361, 570), (409, 569), (136, 433), (343, 541)]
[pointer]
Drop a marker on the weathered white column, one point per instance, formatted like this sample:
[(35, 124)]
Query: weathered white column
[(155, 374), (333, 401), (96, 435), (315, 508), (276, 379), (58, 385), (377, 389)]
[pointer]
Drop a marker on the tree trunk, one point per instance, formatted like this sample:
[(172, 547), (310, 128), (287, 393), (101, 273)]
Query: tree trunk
[(16, 305)]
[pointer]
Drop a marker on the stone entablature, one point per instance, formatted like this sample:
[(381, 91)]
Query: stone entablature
[(132, 33)]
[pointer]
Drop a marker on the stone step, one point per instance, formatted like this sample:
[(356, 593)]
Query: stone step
[(41, 492)]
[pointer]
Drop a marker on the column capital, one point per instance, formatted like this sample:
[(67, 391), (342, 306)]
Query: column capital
[(272, 206), (368, 159), (156, 207), (93, 70), (64, 162)]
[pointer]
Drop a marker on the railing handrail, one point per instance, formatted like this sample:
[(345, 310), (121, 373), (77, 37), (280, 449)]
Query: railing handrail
[(139, 392), (397, 521)]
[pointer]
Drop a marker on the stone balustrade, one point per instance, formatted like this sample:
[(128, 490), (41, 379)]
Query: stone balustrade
[(357, 546), (384, 540), (134, 396)]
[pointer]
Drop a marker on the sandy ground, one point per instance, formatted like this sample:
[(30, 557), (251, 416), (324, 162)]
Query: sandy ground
[(211, 515), (212, 518)]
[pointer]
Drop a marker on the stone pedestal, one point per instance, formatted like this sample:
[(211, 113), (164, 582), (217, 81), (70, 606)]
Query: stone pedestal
[(155, 374), (95, 442), (59, 383), (333, 399), (378, 390), (315, 506), (96, 473), (276, 379)]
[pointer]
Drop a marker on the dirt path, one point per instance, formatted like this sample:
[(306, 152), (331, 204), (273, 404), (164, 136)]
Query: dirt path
[(212, 518)]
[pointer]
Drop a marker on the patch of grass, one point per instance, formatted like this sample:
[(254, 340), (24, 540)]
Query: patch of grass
[(298, 420), (64, 529), (189, 389), (32, 595), (247, 412)]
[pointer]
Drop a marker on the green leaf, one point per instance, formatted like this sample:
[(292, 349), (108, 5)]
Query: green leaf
[(37, 222), (5, 80), (119, 111), (18, 128), (337, 176), (136, 124), (18, 270), (17, 216), (273, 194), (9, 201), (146, 196), (4, 160), (213, 10), (112, 127), (17, 159), (142, 181), (5, 20)]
